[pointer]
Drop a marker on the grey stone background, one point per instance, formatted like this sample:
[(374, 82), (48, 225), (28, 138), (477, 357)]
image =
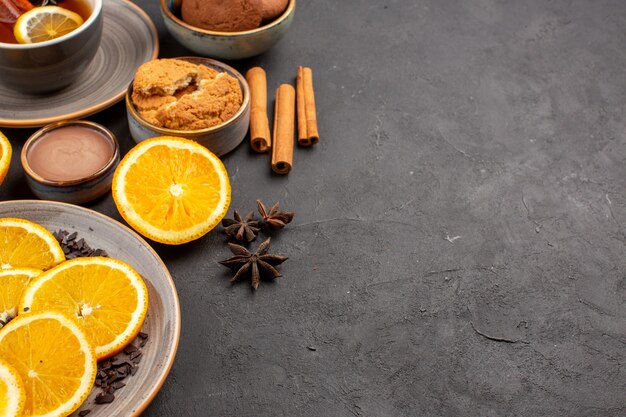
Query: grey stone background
[(459, 242)]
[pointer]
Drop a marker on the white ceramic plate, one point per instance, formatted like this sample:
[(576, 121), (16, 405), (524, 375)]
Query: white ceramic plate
[(163, 320)]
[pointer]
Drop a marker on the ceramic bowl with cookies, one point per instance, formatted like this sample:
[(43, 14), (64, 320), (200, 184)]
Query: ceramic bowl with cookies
[(190, 97), (235, 29)]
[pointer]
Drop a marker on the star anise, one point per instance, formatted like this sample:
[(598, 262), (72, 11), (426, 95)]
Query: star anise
[(275, 218), (253, 264), (240, 229)]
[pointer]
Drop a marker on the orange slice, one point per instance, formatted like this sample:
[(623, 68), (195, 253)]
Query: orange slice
[(53, 358), (12, 392), (171, 190), (12, 285), (5, 156), (27, 245), (45, 23), (107, 297)]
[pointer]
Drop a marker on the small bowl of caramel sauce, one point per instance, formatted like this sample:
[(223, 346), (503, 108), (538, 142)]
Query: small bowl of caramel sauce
[(70, 161)]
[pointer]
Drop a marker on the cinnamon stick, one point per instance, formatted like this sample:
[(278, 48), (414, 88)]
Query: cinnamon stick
[(307, 117), (284, 113), (259, 126)]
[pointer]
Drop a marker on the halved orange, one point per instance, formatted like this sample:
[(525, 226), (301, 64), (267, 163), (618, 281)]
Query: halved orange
[(24, 244), (12, 392), (5, 156), (45, 23), (171, 190), (53, 358), (107, 298), (13, 282)]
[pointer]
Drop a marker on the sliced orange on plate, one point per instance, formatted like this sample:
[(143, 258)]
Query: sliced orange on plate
[(5, 156), (54, 360), (45, 23), (13, 282), (12, 392), (24, 244), (107, 298), (171, 190)]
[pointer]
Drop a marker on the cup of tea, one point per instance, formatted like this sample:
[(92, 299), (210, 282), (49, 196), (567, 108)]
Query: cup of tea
[(50, 65)]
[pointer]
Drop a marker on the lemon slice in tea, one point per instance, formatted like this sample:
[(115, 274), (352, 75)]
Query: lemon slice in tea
[(44, 23)]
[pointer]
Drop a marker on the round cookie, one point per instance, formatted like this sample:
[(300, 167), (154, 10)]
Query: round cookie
[(223, 15), (215, 101), (164, 76), (273, 8)]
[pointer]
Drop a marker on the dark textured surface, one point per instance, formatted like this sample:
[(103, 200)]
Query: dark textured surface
[(458, 248)]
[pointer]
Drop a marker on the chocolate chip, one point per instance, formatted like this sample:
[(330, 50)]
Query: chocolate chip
[(104, 398), (73, 248), (118, 385), (118, 361), (130, 349), (122, 372)]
